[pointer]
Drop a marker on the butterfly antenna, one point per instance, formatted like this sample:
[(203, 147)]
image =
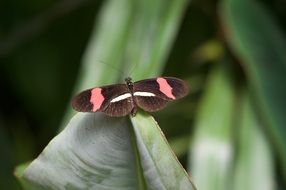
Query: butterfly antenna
[(111, 66), (132, 69)]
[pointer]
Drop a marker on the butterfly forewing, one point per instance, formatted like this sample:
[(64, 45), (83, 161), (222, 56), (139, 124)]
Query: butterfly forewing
[(153, 94), (81, 102), (104, 99), (179, 87)]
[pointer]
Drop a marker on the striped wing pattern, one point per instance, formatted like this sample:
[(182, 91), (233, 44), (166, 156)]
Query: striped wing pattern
[(116, 100), (82, 102), (178, 88)]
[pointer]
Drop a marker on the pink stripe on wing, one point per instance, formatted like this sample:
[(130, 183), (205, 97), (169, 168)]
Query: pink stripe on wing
[(96, 98), (165, 87)]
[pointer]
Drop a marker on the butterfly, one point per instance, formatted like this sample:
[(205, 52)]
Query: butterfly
[(118, 100)]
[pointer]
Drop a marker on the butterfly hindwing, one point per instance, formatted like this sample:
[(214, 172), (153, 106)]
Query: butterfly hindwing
[(153, 94), (119, 106), (150, 104), (114, 100)]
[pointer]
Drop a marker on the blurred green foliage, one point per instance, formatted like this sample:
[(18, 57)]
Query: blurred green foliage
[(42, 45)]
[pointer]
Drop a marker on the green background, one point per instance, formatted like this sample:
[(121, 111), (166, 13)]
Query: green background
[(228, 133)]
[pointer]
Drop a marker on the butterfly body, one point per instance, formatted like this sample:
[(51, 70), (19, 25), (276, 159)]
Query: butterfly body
[(121, 99)]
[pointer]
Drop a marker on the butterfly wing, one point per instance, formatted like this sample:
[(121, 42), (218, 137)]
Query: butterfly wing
[(113, 100), (153, 94)]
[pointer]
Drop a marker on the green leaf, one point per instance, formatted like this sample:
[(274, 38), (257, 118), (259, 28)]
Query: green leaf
[(161, 168), (98, 152), (260, 46), (212, 150), (254, 168), (92, 152)]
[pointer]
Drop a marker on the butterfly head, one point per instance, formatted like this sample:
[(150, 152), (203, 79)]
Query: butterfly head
[(128, 81)]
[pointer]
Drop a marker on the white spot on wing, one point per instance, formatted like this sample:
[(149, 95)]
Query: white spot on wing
[(121, 97), (143, 94)]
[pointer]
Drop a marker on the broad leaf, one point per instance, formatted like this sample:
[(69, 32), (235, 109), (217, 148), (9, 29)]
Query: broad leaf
[(161, 168), (254, 168), (92, 152), (212, 150), (99, 152)]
